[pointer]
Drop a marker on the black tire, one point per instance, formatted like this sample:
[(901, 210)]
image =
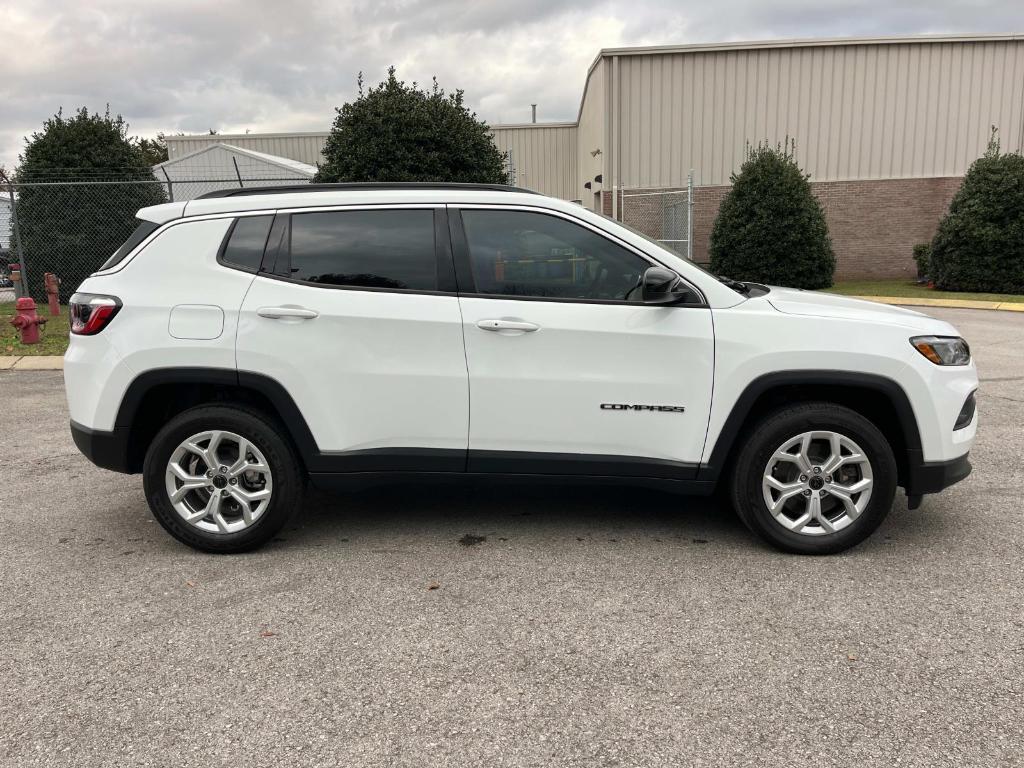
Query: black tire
[(781, 425), (265, 435)]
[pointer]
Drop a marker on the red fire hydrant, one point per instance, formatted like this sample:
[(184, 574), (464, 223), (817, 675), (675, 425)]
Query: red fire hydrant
[(27, 321), (52, 288)]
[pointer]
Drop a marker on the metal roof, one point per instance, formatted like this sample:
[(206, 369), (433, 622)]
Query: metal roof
[(285, 163), (808, 42)]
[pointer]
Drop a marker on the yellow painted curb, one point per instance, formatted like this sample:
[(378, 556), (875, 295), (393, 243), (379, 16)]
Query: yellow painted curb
[(914, 301), (39, 363)]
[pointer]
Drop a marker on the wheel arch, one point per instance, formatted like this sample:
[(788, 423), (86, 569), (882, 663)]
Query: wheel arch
[(155, 396), (878, 398)]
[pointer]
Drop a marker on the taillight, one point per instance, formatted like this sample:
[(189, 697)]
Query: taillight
[(92, 312)]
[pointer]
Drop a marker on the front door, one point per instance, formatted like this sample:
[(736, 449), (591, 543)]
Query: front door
[(352, 317), (569, 371)]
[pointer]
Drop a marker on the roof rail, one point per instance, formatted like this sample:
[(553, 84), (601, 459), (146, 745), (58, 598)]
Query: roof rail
[(372, 185)]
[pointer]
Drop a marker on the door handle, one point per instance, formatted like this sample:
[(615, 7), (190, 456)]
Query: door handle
[(507, 325), (281, 313)]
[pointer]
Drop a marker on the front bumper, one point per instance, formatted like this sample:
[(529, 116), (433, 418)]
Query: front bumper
[(933, 476), (108, 450)]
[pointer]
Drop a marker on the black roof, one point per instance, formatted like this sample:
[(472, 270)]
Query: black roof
[(288, 189)]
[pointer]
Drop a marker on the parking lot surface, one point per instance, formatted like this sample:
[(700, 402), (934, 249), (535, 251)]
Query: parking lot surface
[(479, 625)]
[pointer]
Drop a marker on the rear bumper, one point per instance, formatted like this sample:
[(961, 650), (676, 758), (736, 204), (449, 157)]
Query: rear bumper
[(933, 476), (108, 450)]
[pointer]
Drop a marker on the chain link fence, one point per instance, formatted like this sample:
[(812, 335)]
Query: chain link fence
[(7, 253), (69, 228), (665, 215)]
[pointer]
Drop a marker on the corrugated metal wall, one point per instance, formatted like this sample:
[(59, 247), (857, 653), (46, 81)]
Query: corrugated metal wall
[(304, 147), (544, 156), (592, 152), (863, 111)]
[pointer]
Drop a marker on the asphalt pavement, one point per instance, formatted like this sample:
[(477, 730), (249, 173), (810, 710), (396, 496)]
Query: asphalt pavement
[(479, 625)]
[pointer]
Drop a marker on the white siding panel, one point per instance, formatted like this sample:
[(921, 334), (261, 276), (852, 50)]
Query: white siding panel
[(304, 147), (215, 168)]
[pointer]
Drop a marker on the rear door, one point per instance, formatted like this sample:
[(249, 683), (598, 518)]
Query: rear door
[(354, 313), (569, 372)]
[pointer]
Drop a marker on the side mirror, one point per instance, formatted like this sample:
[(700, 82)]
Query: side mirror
[(663, 286)]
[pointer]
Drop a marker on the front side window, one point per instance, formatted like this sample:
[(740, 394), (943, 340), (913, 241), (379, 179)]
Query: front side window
[(520, 253), (365, 249)]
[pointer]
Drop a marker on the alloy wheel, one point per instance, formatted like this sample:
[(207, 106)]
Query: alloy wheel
[(219, 482), (817, 483)]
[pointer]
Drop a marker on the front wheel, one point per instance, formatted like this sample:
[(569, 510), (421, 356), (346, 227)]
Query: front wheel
[(222, 478), (814, 479)]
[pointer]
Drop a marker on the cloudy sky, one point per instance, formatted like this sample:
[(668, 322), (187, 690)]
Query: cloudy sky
[(233, 65)]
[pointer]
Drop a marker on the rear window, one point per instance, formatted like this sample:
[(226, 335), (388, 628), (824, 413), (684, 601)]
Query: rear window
[(142, 231), (365, 249), (244, 247)]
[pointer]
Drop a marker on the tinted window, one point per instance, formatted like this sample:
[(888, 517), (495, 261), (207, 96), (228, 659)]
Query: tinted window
[(144, 230), (245, 246), (516, 253), (368, 249)]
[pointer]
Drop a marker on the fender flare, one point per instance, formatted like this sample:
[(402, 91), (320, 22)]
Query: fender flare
[(744, 403), (271, 389)]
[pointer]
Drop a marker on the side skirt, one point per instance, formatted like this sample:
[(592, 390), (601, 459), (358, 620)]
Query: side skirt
[(352, 481), (500, 463)]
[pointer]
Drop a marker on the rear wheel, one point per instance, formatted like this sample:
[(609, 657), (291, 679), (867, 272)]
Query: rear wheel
[(222, 479), (814, 478)]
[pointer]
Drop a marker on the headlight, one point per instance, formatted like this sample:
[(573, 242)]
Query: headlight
[(943, 350)]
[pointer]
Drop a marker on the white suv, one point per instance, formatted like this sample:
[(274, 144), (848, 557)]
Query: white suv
[(242, 343)]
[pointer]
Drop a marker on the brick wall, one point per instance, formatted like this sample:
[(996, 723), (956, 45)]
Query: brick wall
[(874, 224)]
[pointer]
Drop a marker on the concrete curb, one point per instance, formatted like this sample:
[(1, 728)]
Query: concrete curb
[(32, 363), (909, 301)]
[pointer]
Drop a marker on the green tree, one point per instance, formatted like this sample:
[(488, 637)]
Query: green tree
[(153, 150), (770, 228), (71, 228), (980, 243), (399, 132)]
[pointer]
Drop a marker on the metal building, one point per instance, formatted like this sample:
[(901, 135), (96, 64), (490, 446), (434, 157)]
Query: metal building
[(886, 128), (303, 147), (215, 166), (878, 108)]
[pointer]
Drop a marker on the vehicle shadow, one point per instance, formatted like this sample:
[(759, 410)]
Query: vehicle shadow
[(566, 512), (504, 510)]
